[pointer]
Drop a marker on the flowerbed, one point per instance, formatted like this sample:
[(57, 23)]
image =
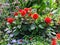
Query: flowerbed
[(30, 26)]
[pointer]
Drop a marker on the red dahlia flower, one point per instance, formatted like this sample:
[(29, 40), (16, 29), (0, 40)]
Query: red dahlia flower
[(15, 13), (58, 35), (48, 20), (22, 12), (53, 42), (10, 20), (35, 16), (26, 9)]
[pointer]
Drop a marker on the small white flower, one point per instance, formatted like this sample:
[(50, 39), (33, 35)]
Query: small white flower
[(17, 7), (7, 23), (14, 22), (11, 35), (8, 31), (16, 17), (19, 26), (6, 4), (19, 42), (8, 44), (13, 41)]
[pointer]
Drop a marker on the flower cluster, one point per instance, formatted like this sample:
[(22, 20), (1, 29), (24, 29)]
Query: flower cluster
[(24, 12), (28, 11)]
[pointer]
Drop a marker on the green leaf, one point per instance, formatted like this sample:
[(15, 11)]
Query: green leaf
[(16, 32), (58, 41), (36, 6), (41, 26)]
